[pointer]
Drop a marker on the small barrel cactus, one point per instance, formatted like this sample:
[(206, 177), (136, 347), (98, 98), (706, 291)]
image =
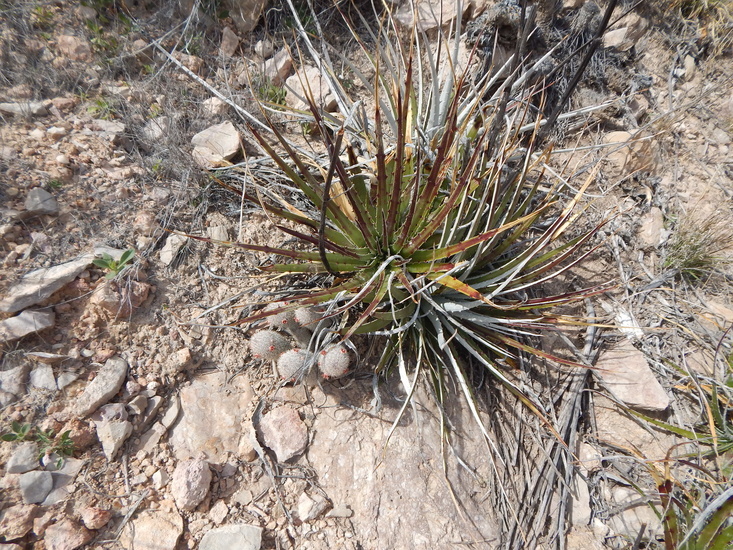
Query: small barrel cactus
[(282, 319), (334, 361), (307, 317), (268, 345), (292, 363)]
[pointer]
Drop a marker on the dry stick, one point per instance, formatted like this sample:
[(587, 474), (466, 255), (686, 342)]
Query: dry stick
[(593, 46)]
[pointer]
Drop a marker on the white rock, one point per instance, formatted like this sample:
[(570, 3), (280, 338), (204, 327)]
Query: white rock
[(138, 404), (112, 434), (160, 478), (13, 380), (105, 385), (34, 108), (626, 373), (42, 378), (150, 439), (264, 48), (171, 413), (155, 129), (229, 42), (173, 245), (39, 201), (66, 379), (277, 68), (35, 486), (308, 81), (631, 29), (431, 14), (222, 139), (40, 284), (108, 126), (56, 132), (217, 232), (651, 232), (24, 458), (212, 418), (190, 483), (310, 508), (153, 530), (218, 512), (26, 323), (340, 511), (240, 536), (214, 106)]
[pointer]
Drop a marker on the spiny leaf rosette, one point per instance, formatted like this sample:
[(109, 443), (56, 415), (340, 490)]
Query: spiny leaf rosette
[(433, 218)]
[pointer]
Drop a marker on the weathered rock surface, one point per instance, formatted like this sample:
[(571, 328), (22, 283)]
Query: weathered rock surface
[(95, 518), (24, 458), (112, 435), (431, 14), (190, 483), (309, 508), (245, 13), (33, 108), (12, 383), (42, 377), (407, 491), (278, 67), (62, 480), (625, 372), (173, 245), (308, 81), (105, 385), (153, 530), (28, 322), (241, 537), (40, 202), (66, 535), (40, 284), (221, 141), (16, 521), (212, 414), (284, 432), (35, 486), (75, 48), (229, 42)]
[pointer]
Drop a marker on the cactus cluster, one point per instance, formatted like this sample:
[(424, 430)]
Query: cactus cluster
[(268, 344)]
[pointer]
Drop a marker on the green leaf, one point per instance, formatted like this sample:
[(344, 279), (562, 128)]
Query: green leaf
[(9, 437), (126, 256)]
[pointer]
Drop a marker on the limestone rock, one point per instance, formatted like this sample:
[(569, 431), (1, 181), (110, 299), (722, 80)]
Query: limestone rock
[(24, 458), (222, 139), (284, 432), (105, 385), (112, 434), (218, 512), (631, 152), (62, 480), (245, 13), (229, 42), (149, 440), (42, 377), (39, 202), (40, 284), (172, 247), (626, 373), (240, 536), (66, 535), (155, 129), (153, 530), (309, 508), (211, 419), (652, 230), (12, 382), (32, 108), (214, 106), (277, 68), (17, 521), (630, 29), (309, 81), (26, 323), (95, 518), (431, 14), (75, 48), (35, 486), (190, 484)]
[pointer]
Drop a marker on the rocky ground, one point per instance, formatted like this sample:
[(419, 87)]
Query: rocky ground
[(176, 436)]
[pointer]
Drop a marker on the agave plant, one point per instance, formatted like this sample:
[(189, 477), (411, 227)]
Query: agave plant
[(433, 221)]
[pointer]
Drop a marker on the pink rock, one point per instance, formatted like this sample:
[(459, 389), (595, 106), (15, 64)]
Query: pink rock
[(95, 518), (626, 373), (75, 48), (190, 483), (17, 520), (284, 432), (66, 535)]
